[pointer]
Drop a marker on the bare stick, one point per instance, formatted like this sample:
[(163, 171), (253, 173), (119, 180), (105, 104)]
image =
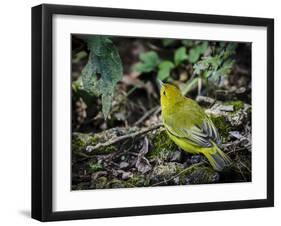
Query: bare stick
[(154, 110), (124, 137)]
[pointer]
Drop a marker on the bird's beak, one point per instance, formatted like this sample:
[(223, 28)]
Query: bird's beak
[(160, 83)]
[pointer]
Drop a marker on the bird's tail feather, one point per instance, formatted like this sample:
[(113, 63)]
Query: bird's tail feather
[(217, 159)]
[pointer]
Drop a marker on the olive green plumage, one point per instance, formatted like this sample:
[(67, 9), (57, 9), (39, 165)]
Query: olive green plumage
[(190, 128)]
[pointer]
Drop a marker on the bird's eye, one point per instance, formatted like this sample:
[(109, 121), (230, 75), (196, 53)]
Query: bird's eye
[(164, 93)]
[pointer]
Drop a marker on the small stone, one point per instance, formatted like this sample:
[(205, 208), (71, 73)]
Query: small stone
[(227, 108), (126, 175), (124, 165), (176, 180), (100, 183), (205, 101), (166, 171), (143, 165), (90, 148), (176, 156), (241, 90), (236, 134)]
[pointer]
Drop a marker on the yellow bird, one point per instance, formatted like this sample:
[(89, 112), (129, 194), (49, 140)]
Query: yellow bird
[(190, 128)]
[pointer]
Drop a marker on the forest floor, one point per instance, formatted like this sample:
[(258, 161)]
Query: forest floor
[(131, 148)]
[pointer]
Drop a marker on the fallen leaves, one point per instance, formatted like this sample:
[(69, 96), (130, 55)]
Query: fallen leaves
[(142, 163)]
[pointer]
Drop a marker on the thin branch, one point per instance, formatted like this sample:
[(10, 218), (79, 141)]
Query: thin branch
[(154, 110), (245, 166), (124, 137), (242, 174)]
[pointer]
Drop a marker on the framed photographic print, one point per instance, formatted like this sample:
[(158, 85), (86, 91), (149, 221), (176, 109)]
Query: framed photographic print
[(145, 112)]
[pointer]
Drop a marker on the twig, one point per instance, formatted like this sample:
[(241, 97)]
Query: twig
[(190, 85), (131, 91), (147, 114), (124, 137), (245, 166), (181, 172), (242, 174)]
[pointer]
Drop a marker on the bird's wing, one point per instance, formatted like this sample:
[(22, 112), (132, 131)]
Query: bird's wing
[(209, 128), (198, 134)]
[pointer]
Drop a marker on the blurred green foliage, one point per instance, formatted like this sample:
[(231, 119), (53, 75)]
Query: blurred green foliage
[(164, 69), (180, 55), (219, 64), (148, 62), (202, 61), (209, 63)]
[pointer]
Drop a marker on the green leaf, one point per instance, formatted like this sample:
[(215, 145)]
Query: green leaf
[(190, 86), (149, 62), (195, 52), (193, 55), (229, 50), (214, 67), (103, 70), (211, 63), (94, 167), (224, 70), (106, 99), (89, 78), (164, 69), (180, 55), (203, 47), (200, 66)]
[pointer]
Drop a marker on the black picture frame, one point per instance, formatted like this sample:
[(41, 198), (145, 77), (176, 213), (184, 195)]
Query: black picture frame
[(42, 111)]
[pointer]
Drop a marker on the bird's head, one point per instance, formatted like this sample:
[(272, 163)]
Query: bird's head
[(169, 95)]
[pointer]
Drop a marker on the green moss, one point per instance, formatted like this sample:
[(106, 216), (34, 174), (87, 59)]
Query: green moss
[(167, 170), (100, 183), (115, 183), (161, 145), (202, 175), (136, 181), (222, 125), (237, 104), (175, 173), (184, 172), (105, 150), (197, 174), (94, 167), (81, 140)]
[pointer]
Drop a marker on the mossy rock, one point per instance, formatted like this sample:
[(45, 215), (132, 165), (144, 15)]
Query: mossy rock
[(237, 104), (222, 125), (80, 141), (201, 175), (116, 183), (165, 174), (99, 183), (162, 146), (229, 116), (134, 181), (137, 180), (95, 167), (177, 174)]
